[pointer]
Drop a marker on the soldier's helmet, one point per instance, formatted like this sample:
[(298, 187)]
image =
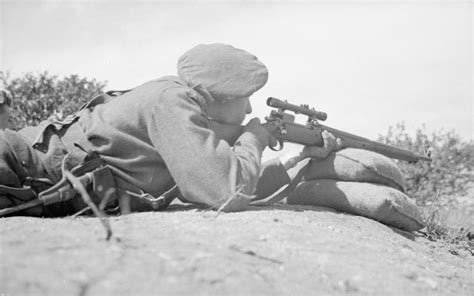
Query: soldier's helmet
[(221, 71), (5, 97)]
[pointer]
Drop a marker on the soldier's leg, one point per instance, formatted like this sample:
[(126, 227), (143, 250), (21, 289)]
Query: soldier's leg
[(7, 164), (23, 160), (18, 160)]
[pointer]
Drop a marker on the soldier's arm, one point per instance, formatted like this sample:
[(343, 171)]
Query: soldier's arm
[(282, 170), (206, 169)]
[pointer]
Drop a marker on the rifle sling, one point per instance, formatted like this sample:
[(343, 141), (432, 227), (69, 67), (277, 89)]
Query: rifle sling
[(273, 199)]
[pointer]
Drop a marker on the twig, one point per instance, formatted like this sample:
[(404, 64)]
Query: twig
[(80, 212), (108, 194), (252, 253), (237, 193), (87, 199), (433, 203)]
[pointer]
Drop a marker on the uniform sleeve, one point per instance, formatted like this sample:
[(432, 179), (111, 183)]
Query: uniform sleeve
[(273, 177), (207, 170)]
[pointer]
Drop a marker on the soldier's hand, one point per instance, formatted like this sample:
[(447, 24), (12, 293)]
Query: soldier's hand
[(331, 144), (263, 135)]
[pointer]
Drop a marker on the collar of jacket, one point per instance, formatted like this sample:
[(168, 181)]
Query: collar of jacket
[(198, 92)]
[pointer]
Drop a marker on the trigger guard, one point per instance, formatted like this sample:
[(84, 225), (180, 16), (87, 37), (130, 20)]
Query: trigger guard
[(278, 147)]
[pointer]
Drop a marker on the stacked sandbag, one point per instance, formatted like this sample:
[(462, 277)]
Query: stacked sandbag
[(359, 182), (356, 165)]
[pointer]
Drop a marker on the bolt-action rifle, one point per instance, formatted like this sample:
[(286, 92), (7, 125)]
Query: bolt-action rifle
[(282, 126)]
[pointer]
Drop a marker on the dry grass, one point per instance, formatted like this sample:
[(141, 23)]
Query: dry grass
[(451, 225)]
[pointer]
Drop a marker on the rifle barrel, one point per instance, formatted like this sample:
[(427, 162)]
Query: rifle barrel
[(353, 141)]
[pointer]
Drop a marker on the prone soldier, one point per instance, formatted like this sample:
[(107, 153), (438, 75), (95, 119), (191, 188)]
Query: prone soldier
[(138, 149)]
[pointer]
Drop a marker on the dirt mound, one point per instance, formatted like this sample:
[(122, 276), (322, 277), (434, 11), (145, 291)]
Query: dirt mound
[(279, 250)]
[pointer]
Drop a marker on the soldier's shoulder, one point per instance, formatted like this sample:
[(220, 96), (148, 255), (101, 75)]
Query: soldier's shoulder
[(166, 82), (173, 89)]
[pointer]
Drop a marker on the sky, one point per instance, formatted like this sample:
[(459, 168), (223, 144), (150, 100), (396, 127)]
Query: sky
[(368, 64)]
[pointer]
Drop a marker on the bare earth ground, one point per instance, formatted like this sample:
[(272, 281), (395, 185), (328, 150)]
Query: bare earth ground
[(280, 250)]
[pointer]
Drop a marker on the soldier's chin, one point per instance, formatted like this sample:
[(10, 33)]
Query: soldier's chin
[(239, 121)]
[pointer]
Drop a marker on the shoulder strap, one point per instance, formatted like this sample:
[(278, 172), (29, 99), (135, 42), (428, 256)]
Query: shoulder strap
[(103, 98)]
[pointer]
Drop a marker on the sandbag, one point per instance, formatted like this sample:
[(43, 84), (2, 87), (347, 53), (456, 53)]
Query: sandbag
[(356, 165), (381, 203)]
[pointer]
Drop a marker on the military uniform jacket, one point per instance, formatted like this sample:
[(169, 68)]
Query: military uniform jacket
[(158, 134)]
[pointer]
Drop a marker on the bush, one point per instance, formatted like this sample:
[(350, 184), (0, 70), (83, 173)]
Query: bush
[(440, 187), (38, 96), (447, 177)]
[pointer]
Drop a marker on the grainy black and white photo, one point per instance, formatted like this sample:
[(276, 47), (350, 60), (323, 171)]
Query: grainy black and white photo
[(236, 147)]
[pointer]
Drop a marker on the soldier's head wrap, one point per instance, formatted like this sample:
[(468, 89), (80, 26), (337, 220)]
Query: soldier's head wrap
[(5, 97), (221, 71)]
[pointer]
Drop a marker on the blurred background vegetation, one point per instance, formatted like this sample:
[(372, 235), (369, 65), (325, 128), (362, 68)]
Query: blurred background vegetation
[(450, 173), (444, 187), (39, 96), (444, 183)]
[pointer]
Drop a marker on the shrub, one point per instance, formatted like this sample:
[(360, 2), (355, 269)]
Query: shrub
[(38, 96), (448, 175), (440, 187)]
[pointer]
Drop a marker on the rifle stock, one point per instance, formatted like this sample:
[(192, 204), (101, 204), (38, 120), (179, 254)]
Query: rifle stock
[(227, 132)]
